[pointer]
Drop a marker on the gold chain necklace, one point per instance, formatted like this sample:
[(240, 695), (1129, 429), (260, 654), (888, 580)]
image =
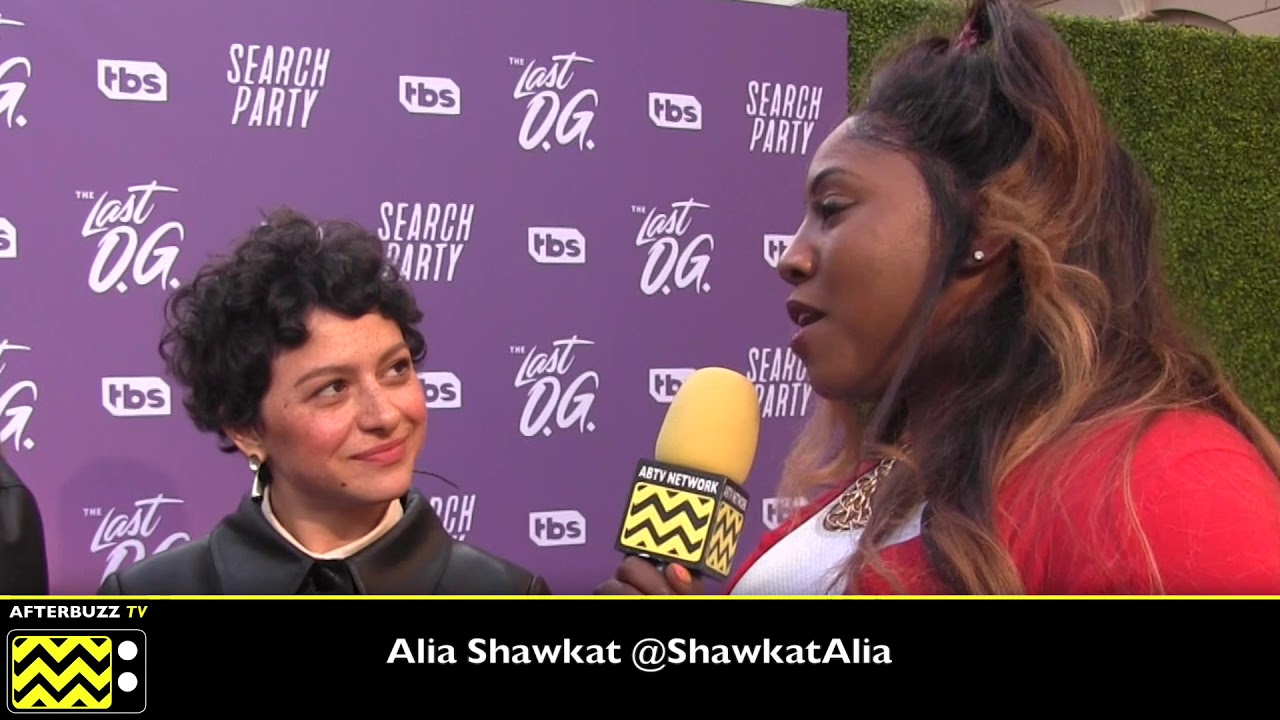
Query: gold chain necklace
[(854, 507)]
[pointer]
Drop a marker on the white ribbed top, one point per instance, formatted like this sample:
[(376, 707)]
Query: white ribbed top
[(807, 560)]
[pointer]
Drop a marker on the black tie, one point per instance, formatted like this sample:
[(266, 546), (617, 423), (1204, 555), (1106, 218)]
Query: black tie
[(328, 577)]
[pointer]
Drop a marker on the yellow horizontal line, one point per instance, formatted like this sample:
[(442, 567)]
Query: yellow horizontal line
[(107, 599)]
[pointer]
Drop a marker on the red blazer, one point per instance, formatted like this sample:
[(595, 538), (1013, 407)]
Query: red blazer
[(1207, 503)]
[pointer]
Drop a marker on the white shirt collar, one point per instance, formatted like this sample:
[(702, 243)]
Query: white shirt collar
[(394, 512)]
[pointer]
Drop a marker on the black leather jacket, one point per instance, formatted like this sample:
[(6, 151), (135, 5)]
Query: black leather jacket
[(244, 555), (24, 568)]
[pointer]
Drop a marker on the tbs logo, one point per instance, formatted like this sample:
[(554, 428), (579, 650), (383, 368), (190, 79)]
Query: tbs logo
[(775, 246), (557, 246), (443, 390), (676, 112), (664, 383), (133, 80), (557, 527), (135, 396), (430, 95), (8, 240)]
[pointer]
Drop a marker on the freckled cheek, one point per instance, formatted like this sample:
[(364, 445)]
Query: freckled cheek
[(321, 434), (411, 402)]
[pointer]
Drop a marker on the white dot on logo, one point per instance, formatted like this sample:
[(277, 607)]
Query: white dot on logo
[(128, 681), (128, 650)]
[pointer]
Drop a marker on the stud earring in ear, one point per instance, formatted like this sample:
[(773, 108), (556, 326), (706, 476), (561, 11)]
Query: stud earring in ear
[(978, 255), (256, 464)]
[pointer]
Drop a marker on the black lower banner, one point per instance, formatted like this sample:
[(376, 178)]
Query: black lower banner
[(171, 657)]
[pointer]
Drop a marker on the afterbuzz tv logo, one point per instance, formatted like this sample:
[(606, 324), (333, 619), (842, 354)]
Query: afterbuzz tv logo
[(443, 390), (92, 671), (783, 116), (775, 246), (422, 95), (8, 239), (781, 381), (135, 396), (675, 112), (133, 80), (664, 383), (277, 86), (557, 527), (557, 246)]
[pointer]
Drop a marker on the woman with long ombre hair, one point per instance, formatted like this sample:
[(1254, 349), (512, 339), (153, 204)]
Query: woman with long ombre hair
[(1009, 402)]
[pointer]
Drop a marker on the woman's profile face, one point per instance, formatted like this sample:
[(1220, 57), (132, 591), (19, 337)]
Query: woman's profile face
[(344, 417), (858, 263)]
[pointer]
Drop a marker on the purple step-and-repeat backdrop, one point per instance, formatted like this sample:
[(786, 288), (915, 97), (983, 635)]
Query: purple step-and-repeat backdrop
[(588, 197)]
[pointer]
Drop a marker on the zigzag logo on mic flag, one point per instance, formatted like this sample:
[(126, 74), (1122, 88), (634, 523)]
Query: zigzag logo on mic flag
[(59, 672), (670, 522), (724, 538)]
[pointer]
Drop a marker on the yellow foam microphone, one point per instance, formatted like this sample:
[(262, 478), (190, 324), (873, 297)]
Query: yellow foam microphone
[(688, 504)]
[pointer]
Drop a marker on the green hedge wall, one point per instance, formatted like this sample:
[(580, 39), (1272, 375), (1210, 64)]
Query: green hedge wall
[(1201, 111)]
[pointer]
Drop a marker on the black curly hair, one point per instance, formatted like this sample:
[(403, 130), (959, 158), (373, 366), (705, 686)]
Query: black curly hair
[(225, 327)]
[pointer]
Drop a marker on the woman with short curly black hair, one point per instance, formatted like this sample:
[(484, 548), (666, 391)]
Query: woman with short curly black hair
[(300, 351)]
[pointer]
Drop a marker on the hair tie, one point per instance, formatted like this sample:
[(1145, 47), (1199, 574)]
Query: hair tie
[(968, 37)]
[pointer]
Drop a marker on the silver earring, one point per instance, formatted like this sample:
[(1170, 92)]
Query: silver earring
[(256, 465), (978, 255)]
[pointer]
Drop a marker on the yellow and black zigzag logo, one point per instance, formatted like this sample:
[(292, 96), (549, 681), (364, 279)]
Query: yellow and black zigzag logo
[(60, 672), (666, 521), (724, 539)]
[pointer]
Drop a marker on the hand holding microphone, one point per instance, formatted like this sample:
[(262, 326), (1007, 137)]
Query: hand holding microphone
[(687, 506)]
